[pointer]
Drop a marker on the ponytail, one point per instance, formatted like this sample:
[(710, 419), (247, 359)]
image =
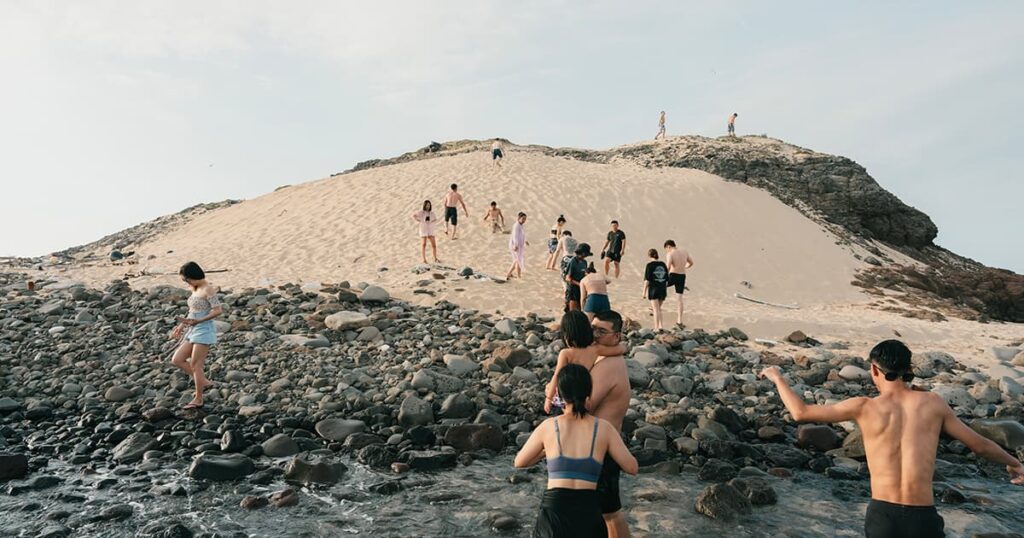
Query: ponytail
[(574, 387)]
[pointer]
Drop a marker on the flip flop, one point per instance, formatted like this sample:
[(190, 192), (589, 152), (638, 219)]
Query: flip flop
[(193, 406)]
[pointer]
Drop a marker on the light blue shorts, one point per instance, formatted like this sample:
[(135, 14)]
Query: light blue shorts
[(203, 333), (597, 302)]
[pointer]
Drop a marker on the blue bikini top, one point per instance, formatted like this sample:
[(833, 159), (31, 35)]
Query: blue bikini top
[(562, 467)]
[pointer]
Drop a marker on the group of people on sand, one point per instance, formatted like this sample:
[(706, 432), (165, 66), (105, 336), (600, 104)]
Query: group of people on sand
[(585, 453), (730, 125)]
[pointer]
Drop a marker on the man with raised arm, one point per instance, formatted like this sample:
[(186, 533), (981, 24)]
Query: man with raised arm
[(901, 428), (609, 400)]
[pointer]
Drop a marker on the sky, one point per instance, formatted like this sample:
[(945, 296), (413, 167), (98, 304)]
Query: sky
[(115, 113)]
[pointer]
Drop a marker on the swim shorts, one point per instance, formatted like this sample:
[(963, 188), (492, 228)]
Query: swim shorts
[(656, 293), (678, 280), (569, 512), (888, 520), (597, 302), (451, 214), (572, 293), (496, 154), (613, 256), (608, 487)]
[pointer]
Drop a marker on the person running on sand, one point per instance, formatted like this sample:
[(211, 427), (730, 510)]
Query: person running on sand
[(517, 244), (661, 126), (496, 153), (655, 285), (580, 348), (679, 261), (427, 220), (614, 248), (196, 332), (452, 201), (496, 217), (901, 428), (575, 445), (732, 124), (594, 293), (573, 271)]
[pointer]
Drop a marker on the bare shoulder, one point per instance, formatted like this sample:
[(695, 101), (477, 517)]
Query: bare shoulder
[(210, 289)]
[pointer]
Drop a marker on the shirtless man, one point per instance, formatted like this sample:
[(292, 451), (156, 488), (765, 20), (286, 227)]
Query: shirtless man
[(732, 124), (452, 201), (901, 428), (609, 400), (679, 261), (661, 126), (496, 153), (497, 219)]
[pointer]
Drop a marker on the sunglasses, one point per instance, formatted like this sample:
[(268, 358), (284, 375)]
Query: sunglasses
[(906, 377)]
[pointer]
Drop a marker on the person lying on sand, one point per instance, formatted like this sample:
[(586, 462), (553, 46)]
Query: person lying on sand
[(901, 428)]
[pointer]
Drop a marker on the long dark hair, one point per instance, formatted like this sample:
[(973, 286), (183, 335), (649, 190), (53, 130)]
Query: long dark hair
[(576, 330), (574, 386), (427, 206)]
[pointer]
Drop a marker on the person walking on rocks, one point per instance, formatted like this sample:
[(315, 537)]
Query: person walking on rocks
[(580, 348), (496, 153), (614, 248), (661, 126), (452, 201), (901, 428), (573, 271), (655, 285), (196, 332), (732, 124), (495, 216), (517, 244), (425, 217), (574, 444), (594, 292), (679, 261), (609, 400)]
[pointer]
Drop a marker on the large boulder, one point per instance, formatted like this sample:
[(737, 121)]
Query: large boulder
[(756, 489), (817, 436), (374, 294), (457, 406), (221, 467), (133, 447), (13, 466), (338, 429), (639, 377), (722, 501), (415, 412), (511, 356), (280, 446), (929, 363), (1007, 433), (346, 320), (955, 396), (428, 460), (475, 437), (320, 472), (785, 456), (459, 365)]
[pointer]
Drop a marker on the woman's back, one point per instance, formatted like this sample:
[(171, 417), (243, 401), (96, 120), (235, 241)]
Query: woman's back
[(574, 451)]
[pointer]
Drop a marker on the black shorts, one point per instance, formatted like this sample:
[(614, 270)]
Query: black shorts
[(496, 154), (656, 293), (572, 293), (569, 512), (888, 520), (451, 214), (678, 280), (608, 487), (613, 256)]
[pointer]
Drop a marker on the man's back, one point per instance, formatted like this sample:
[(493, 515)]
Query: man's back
[(611, 389), (452, 199), (901, 433), (677, 260)]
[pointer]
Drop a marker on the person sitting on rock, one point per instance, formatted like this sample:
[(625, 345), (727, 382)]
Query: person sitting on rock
[(574, 444), (580, 349), (901, 428)]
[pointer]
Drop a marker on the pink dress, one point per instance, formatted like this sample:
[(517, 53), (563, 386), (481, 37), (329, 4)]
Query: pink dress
[(426, 220), (518, 239)]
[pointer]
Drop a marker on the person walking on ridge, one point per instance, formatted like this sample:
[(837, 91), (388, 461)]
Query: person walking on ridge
[(661, 126), (732, 124), (451, 210), (901, 428)]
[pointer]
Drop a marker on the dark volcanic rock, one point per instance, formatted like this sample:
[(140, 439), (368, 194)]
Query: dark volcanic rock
[(221, 467), (722, 501), (13, 466), (318, 472), (817, 436), (131, 449), (756, 489), (716, 470), (429, 460), (474, 437), (785, 456)]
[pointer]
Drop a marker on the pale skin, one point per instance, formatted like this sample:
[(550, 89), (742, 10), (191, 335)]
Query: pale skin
[(576, 433), (622, 253), (592, 283), (496, 218), (585, 357), (197, 352), (679, 261), (423, 240), (609, 400), (554, 255), (454, 199), (901, 428)]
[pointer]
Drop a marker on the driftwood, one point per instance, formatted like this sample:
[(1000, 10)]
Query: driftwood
[(766, 303), (144, 272)]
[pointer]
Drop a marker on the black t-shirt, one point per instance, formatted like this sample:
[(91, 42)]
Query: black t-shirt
[(577, 269), (615, 240), (656, 274)]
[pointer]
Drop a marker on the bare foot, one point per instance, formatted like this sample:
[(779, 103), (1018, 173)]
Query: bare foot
[(196, 403)]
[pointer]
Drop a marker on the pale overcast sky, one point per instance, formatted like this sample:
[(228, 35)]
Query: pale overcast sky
[(113, 113)]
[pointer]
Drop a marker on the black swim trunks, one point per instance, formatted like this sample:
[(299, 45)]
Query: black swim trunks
[(569, 512), (678, 280), (496, 154), (572, 293), (888, 520), (608, 487), (451, 214), (613, 256)]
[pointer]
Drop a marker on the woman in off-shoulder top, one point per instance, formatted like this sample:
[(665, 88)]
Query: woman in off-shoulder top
[(196, 332)]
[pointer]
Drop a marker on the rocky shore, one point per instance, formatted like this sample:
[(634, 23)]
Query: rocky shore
[(316, 384)]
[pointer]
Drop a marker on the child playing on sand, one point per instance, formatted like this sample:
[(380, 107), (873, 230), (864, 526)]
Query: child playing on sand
[(581, 349)]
